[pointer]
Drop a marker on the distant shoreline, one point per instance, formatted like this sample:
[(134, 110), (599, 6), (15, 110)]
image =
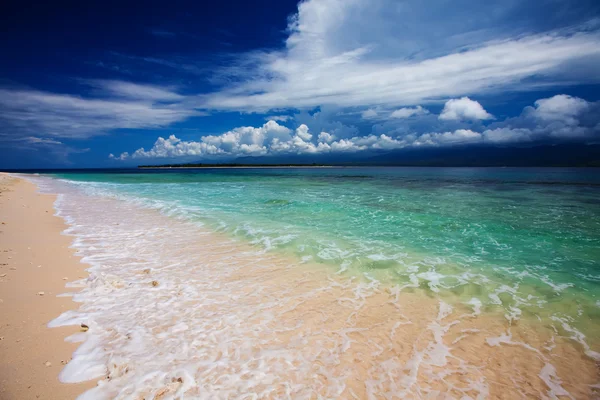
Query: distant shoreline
[(357, 166), (158, 167), (250, 166)]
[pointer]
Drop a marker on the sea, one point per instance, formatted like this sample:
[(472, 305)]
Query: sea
[(334, 283)]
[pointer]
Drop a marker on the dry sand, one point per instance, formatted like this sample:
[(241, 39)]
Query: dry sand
[(34, 258)]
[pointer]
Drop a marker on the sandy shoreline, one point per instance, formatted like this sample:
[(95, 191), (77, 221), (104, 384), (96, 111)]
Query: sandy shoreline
[(161, 313), (34, 258)]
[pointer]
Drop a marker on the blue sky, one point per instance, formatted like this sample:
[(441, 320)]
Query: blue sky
[(113, 85)]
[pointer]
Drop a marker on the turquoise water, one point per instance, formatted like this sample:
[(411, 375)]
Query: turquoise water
[(523, 240)]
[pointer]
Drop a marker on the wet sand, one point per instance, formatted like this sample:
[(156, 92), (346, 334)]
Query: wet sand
[(34, 258)]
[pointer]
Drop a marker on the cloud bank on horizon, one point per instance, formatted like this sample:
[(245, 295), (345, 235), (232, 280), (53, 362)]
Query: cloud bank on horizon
[(559, 118), (351, 75)]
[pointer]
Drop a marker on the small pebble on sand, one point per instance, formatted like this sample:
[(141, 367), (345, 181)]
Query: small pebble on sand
[(48, 364), (41, 293)]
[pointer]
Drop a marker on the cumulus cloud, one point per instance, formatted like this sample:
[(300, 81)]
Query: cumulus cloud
[(464, 109), (174, 147), (560, 108), (560, 118), (580, 121), (368, 114), (408, 112), (405, 54), (458, 137), (507, 135), (328, 119), (243, 140), (326, 137), (271, 138), (557, 118), (121, 157)]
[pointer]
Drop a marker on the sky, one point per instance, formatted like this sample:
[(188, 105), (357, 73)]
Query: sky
[(118, 84)]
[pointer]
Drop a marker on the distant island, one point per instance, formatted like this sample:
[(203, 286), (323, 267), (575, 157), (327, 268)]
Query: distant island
[(563, 155), (236, 165)]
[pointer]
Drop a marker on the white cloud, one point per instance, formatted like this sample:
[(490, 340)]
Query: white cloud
[(38, 140), (559, 117), (327, 119), (247, 139), (31, 141), (507, 135), (302, 132), (229, 144), (243, 140), (65, 115), (174, 147), (408, 112), (121, 157), (326, 137), (464, 109), (280, 118), (459, 136), (271, 138), (560, 108), (327, 62), (369, 114), (581, 121), (136, 91)]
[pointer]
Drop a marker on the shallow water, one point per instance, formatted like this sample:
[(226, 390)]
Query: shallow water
[(356, 282)]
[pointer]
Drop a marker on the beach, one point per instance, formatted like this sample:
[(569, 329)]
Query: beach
[(300, 200), (34, 258), (190, 292)]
